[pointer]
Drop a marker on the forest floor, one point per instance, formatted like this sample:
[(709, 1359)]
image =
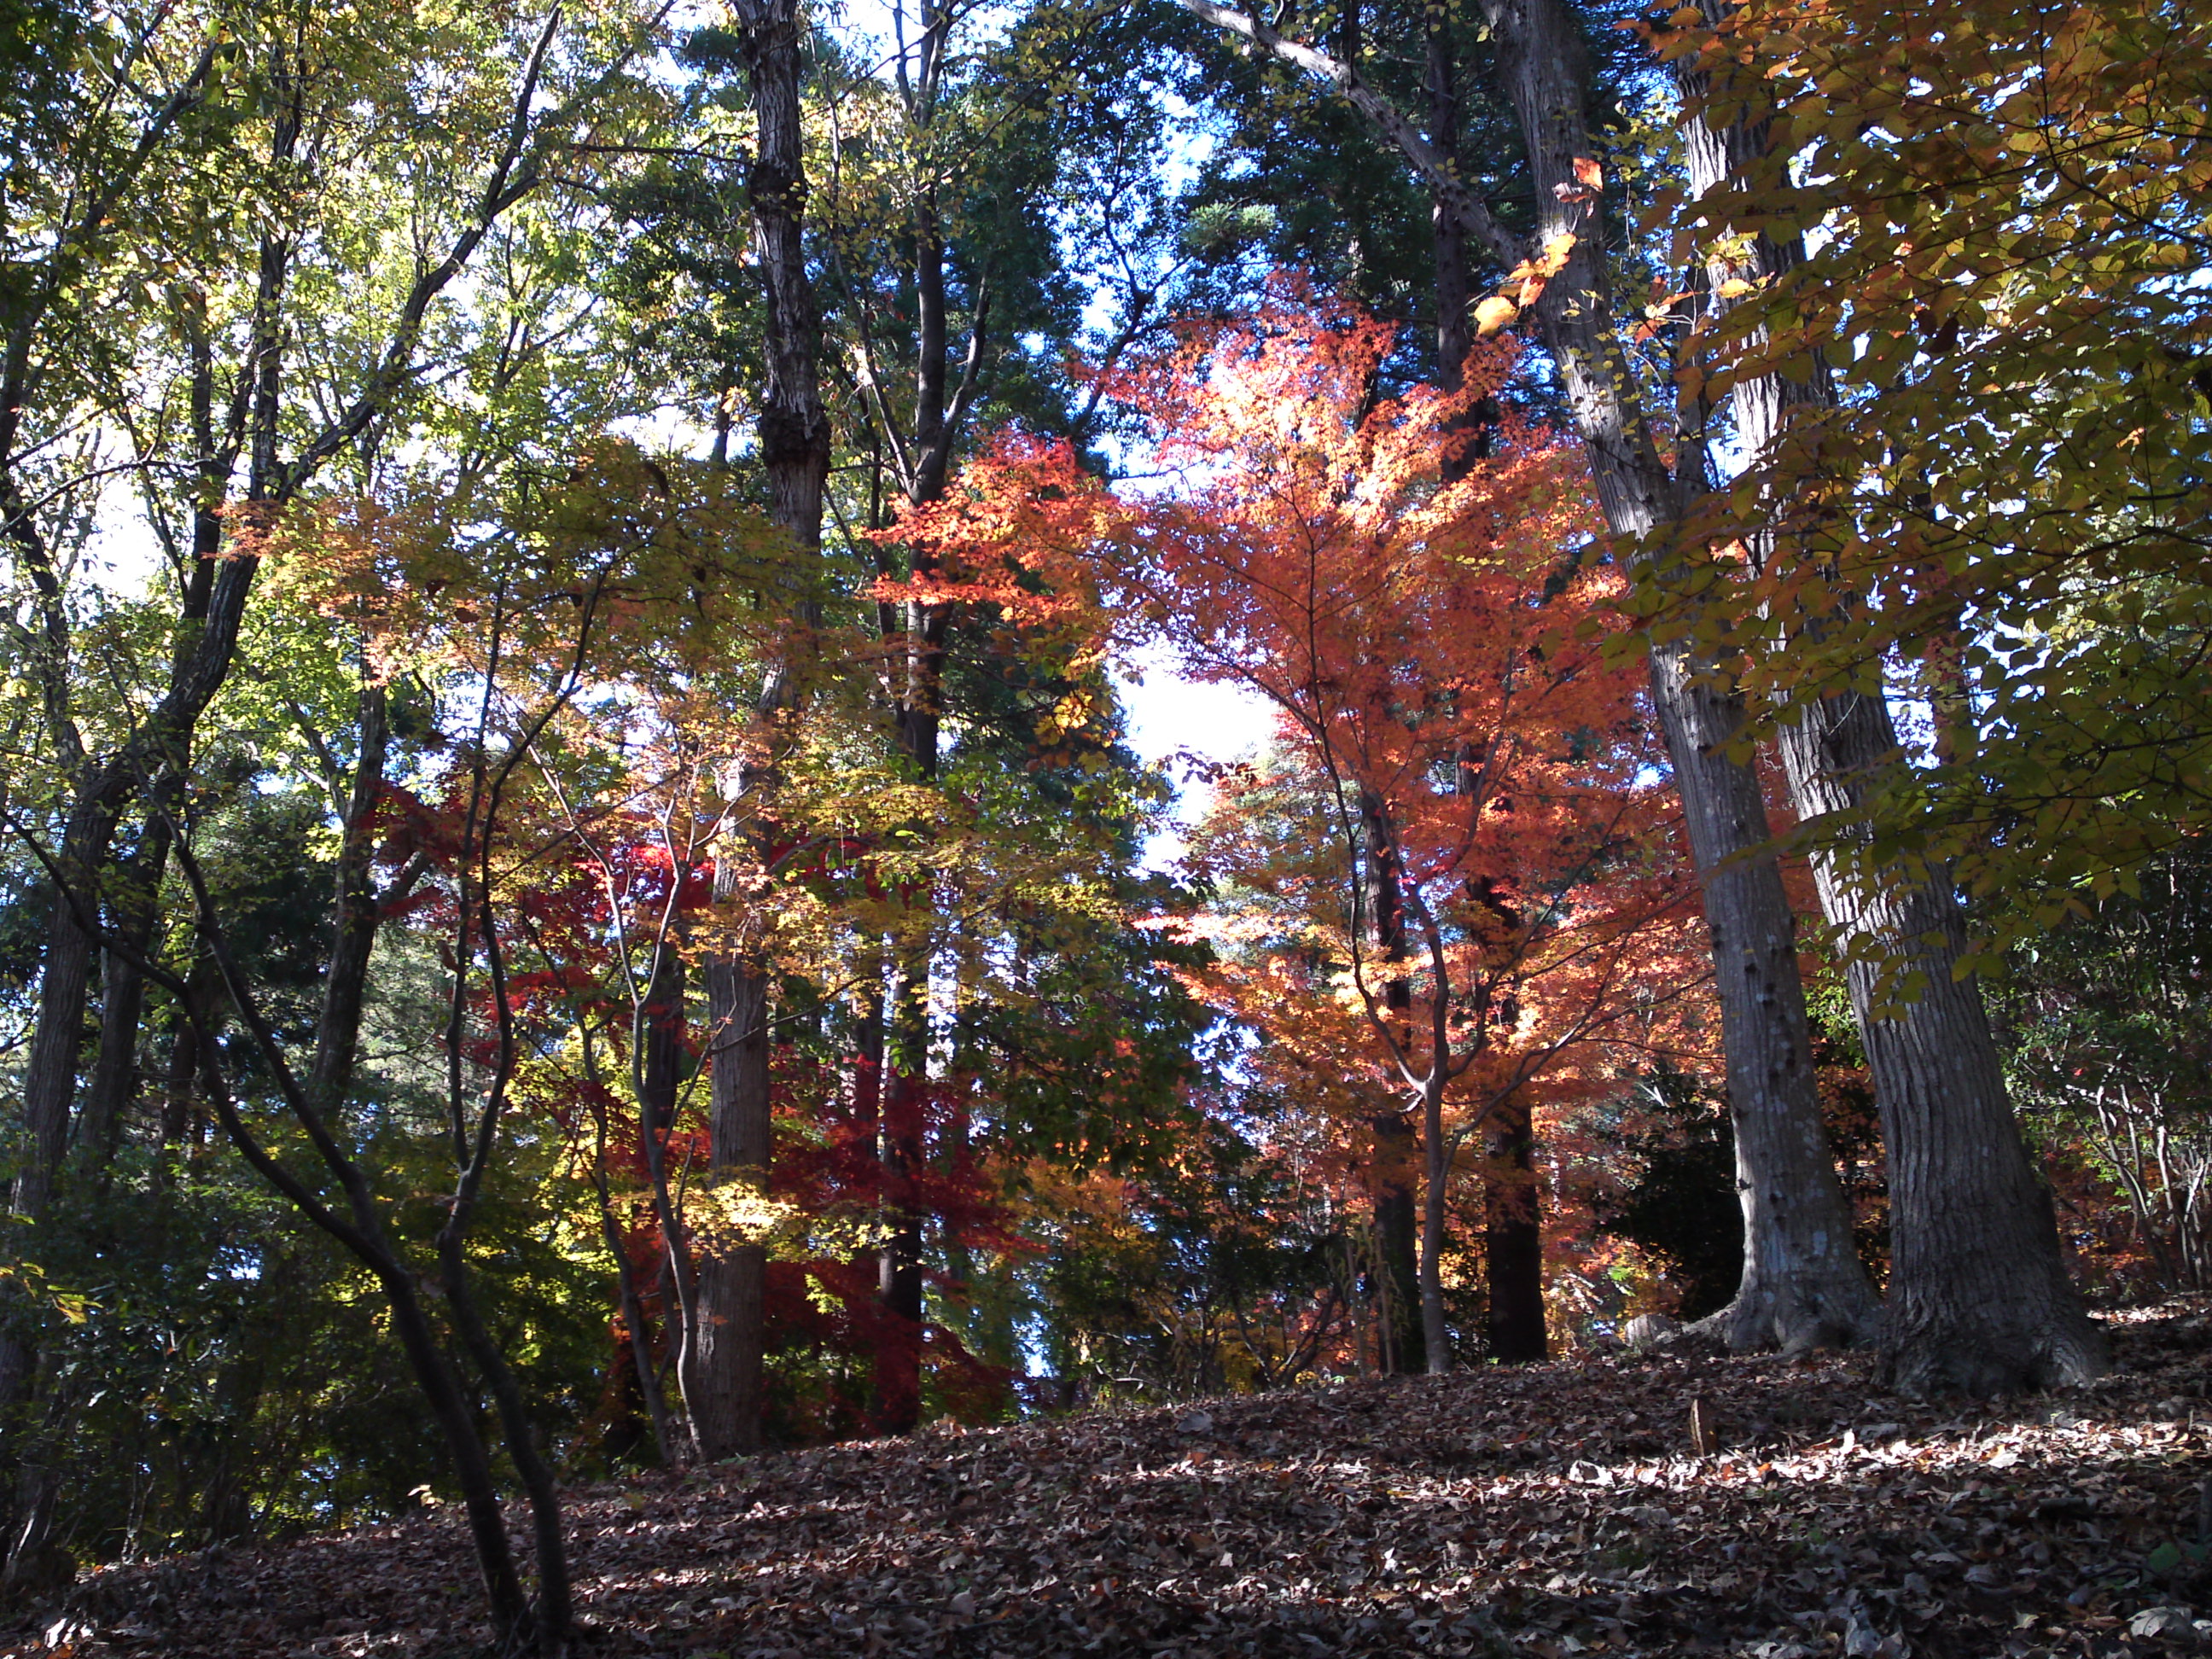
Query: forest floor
[(1552, 1511)]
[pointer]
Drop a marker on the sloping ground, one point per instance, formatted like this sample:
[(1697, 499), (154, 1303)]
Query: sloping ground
[(1551, 1511)]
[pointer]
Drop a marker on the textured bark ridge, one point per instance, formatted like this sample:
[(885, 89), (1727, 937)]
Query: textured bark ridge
[(727, 1349), (1513, 1240), (1980, 1300), (1803, 1286), (1397, 1234)]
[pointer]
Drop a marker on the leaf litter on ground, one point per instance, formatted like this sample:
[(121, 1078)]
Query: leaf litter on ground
[(1549, 1510)]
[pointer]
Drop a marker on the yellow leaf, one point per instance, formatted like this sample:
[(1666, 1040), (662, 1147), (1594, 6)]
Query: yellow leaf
[(1735, 289), (1494, 314)]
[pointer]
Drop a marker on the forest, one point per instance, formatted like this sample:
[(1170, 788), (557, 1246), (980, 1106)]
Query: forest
[(623, 895)]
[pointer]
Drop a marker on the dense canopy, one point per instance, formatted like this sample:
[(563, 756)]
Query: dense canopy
[(606, 861)]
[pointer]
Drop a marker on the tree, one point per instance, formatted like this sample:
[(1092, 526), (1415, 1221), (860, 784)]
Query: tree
[(728, 1339), (295, 106), (2104, 1051), (1980, 1296), (619, 569), (1800, 1286), (1418, 638), (2006, 499)]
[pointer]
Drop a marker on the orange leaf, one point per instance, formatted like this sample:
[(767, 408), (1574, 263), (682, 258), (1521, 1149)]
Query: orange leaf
[(1590, 173), (1494, 314)]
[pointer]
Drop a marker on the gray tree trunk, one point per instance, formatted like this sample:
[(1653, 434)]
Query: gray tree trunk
[(728, 1348), (115, 1076), (1803, 1284), (1980, 1299)]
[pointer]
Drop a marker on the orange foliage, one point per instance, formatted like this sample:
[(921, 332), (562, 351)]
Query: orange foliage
[(1449, 721), (1423, 642)]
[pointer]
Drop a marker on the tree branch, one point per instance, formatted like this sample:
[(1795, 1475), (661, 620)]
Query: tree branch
[(1469, 210)]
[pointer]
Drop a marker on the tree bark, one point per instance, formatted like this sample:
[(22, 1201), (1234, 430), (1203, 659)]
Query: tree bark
[(903, 1154), (1803, 1284), (918, 647), (1513, 1239), (1436, 1331), (629, 1300), (1980, 1299), (728, 1350), (1397, 1233), (115, 1077), (1403, 1348), (1455, 281)]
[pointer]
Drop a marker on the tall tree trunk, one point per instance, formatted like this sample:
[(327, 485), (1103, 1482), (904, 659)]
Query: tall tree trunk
[(1397, 1243), (793, 433), (1513, 1238), (870, 1077), (183, 1107), (1400, 1221), (940, 408), (1392, 1174), (115, 1078), (1803, 1284), (728, 1348), (629, 1299), (920, 724), (1455, 281), (903, 1153), (1436, 1331), (104, 786), (663, 1041), (902, 1144), (1980, 1299)]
